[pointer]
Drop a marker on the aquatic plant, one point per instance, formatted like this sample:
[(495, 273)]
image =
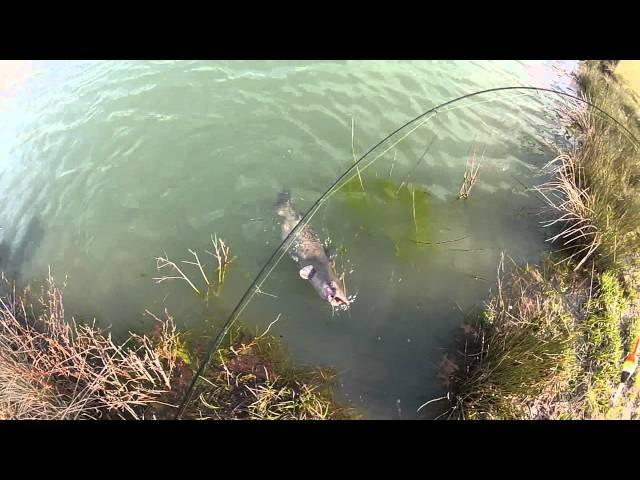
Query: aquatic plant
[(470, 175), (221, 253), (406, 206)]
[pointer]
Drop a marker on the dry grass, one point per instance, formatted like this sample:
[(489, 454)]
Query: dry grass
[(573, 209), (594, 191), (222, 254), (53, 368)]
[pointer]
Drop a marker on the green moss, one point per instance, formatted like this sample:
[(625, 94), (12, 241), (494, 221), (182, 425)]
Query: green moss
[(184, 353), (603, 344), (399, 212)]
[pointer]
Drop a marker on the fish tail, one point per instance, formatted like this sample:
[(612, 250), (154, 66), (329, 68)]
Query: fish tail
[(283, 203)]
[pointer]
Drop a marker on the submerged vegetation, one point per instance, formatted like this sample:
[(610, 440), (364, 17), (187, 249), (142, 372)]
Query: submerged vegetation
[(252, 379), (470, 175), (405, 203), (551, 340)]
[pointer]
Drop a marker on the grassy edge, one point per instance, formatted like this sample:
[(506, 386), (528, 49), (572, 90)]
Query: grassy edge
[(52, 367), (550, 342)]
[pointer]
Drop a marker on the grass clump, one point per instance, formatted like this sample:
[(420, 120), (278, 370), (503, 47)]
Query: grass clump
[(521, 354), (603, 344), (549, 345), (251, 379), (594, 193), (54, 368)]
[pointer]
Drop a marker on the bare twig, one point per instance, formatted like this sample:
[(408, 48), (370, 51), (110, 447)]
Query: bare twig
[(221, 254), (446, 397), (440, 243), (269, 327), (222, 257), (162, 262), (198, 264), (470, 175)]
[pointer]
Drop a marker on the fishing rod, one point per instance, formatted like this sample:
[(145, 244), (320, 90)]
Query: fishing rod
[(416, 165), (288, 240), (628, 368)]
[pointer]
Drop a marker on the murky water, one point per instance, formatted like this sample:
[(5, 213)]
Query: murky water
[(106, 165)]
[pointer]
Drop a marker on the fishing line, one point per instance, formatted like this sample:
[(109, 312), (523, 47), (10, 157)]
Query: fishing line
[(416, 165), (277, 255)]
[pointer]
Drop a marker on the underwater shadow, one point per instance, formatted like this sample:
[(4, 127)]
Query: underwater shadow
[(13, 259)]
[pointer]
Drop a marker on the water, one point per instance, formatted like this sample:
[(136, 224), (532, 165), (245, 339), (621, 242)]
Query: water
[(106, 165)]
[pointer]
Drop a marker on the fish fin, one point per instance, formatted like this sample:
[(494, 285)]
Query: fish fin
[(331, 252), (305, 272)]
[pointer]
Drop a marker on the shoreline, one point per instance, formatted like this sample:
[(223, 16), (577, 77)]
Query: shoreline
[(551, 340)]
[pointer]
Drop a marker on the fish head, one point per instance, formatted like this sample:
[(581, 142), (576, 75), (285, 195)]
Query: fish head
[(326, 283)]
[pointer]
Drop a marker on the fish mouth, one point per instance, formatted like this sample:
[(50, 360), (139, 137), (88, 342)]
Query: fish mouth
[(338, 302), (335, 298)]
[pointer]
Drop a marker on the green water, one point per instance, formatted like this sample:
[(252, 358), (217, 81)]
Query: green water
[(106, 165)]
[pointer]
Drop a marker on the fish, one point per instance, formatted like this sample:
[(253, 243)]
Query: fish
[(315, 262)]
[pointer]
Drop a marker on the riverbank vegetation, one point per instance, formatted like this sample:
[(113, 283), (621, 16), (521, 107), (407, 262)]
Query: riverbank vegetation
[(251, 378), (52, 367), (551, 340)]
